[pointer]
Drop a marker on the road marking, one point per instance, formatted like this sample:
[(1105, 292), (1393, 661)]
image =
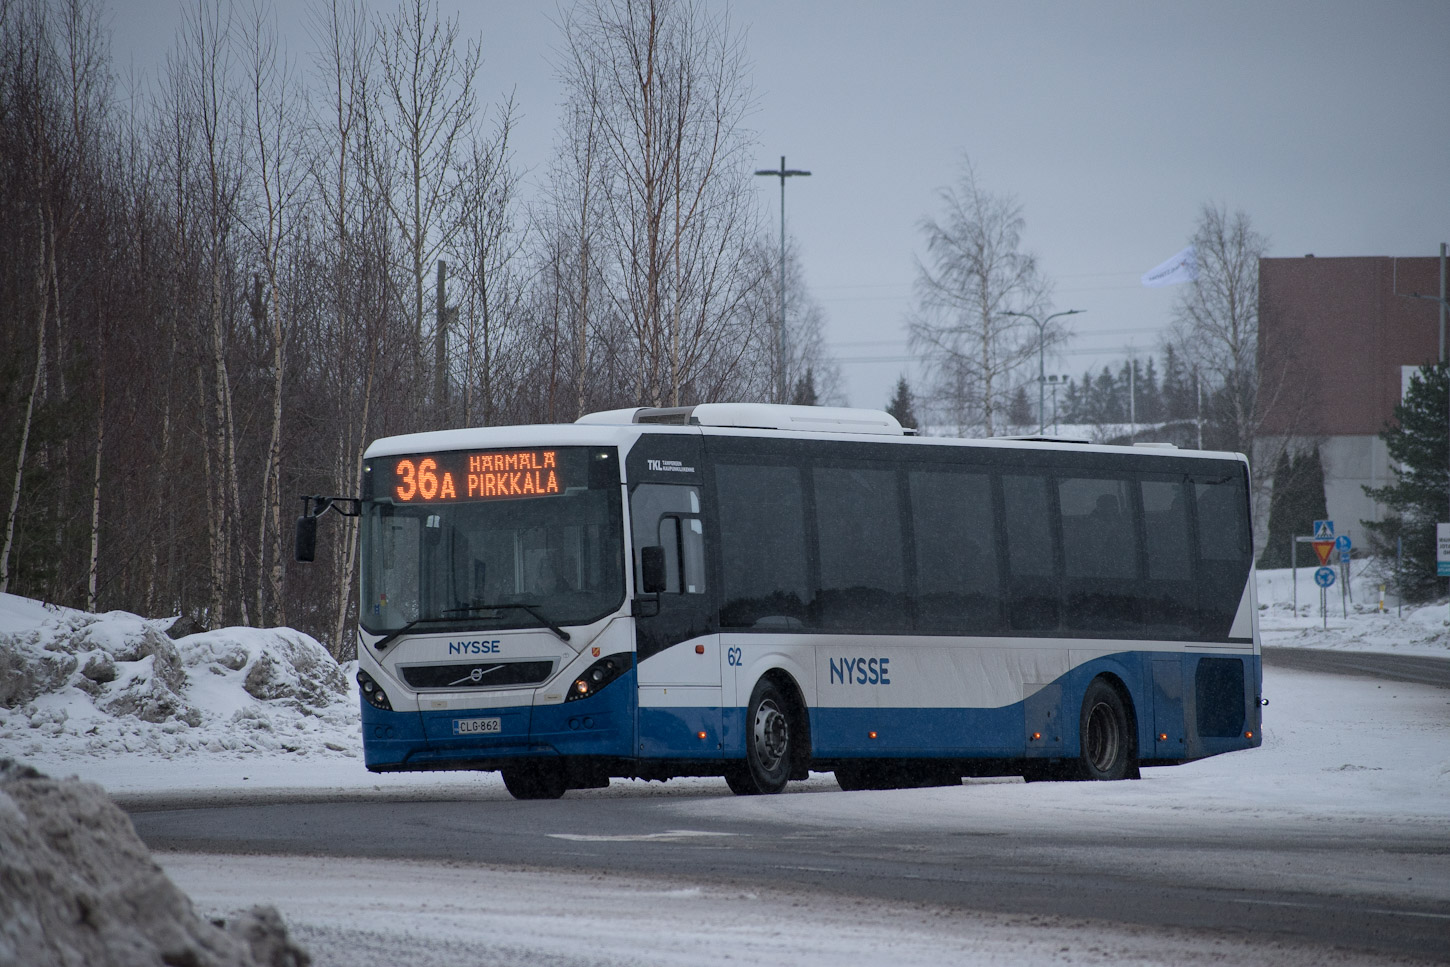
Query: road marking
[(670, 836)]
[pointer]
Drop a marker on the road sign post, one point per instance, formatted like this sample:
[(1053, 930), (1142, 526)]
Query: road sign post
[(1324, 577)]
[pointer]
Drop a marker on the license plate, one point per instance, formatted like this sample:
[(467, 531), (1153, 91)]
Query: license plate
[(477, 726)]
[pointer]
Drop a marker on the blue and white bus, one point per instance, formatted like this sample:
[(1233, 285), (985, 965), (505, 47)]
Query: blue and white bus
[(756, 591)]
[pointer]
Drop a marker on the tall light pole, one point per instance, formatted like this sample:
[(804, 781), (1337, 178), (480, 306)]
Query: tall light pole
[(782, 173), (1055, 381), (1041, 340)]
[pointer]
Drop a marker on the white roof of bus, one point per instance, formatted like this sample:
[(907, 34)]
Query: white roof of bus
[(619, 428)]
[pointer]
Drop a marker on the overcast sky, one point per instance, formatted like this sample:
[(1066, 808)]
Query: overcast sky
[(1111, 123)]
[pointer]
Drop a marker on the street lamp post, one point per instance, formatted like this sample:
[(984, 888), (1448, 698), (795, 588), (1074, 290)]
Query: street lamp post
[(1041, 340), (782, 173), (1055, 381)]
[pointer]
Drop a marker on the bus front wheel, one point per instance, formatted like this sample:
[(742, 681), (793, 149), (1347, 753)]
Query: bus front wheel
[(768, 745)]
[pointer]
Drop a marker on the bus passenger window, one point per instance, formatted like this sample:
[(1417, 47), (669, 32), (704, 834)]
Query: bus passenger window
[(1032, 596), (1100, 554), (958, 589), (762, 546)]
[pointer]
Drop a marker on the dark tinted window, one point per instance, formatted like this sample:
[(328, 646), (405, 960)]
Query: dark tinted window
[(762, 546), (1032, 593), (858, 527), (1223, 546), (1166, 533), (958, 587), (1100, 555), (1170, 594), (1098, 533)]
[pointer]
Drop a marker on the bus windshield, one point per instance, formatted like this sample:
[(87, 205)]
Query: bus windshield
[(491, 540)]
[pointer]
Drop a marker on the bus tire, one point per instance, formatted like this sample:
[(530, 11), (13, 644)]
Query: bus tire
[(1105, 735), (540, 781), (769, 735)]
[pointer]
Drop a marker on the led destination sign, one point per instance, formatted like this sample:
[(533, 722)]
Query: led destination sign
[(439, 477)]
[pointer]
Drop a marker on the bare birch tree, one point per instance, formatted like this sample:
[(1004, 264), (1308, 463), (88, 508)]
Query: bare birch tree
[(974, 274), (276, 171), (430, 120), (1216, 318), (665, 82)]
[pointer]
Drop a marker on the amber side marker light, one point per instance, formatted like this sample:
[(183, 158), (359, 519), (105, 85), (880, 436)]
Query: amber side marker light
[(699, 649), (1162, 736), (870, 735), (1036, 736), (1248, 735), (702, 735)]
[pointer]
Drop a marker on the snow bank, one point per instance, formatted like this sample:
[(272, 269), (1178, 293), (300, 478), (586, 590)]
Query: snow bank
[(78, 685), (78, 887)]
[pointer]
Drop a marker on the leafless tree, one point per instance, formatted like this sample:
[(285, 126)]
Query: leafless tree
[(662, 84), (975, 274), (275, 166), (486, 248), (1216, 319), (429, 120)]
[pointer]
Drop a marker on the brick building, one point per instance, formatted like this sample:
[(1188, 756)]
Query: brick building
[(1337, 343)]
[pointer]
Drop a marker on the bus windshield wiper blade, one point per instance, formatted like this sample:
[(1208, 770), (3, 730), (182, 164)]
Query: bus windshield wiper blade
[(388, 638), (532, 609)]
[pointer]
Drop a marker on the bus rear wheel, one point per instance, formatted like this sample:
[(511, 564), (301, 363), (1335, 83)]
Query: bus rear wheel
[(1107, 751), (540, 781), (768, 745)]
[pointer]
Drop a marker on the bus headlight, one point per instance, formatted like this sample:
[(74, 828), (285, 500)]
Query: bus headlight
[(373, 692), (598, 675)]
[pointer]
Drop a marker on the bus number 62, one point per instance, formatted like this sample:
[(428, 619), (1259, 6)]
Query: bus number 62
[(732, 657)]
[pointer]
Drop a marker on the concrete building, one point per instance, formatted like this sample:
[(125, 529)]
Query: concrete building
[(1338, 341)]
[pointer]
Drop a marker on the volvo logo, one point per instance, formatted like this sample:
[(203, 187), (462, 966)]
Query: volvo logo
[(475, 674)]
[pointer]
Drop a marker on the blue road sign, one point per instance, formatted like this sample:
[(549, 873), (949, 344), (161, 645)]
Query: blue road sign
[(1324, 530), (1324, 577), (1342, 542)]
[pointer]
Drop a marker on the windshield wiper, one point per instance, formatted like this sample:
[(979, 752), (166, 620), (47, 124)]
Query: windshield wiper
[(388, 638), (532, 609)]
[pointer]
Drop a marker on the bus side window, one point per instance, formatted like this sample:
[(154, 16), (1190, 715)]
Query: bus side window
[(1032, 593), (667, 516)]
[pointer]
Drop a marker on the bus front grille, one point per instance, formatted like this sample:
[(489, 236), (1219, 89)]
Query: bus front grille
[(495, 674)]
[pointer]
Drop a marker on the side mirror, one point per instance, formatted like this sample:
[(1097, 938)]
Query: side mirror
[(652, 569), (305, 548)]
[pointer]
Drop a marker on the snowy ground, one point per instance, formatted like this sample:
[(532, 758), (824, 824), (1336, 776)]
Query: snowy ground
[(1336, 750)]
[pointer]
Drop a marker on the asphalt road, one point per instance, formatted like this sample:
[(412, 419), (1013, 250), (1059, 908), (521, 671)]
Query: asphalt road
[(1335, 883)]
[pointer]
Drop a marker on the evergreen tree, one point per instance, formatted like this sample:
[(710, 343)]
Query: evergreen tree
[(1296, 502), (1105, 403), (1417, 500), (1071, 410), (1177, 391), (901, 405), (1150, 403), (805, 389), (1021, 413)]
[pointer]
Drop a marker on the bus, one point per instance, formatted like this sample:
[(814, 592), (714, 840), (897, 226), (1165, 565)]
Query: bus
[(758, 591)]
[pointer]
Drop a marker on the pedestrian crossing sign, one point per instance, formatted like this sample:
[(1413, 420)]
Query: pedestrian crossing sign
[(1324, 530)]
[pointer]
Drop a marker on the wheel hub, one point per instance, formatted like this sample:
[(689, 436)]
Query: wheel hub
[(772, 735)]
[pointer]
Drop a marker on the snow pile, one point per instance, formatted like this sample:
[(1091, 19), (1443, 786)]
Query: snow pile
[(78, 887), (78, 685)]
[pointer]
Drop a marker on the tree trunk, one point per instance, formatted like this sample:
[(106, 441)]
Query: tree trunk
[(41, 288)]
